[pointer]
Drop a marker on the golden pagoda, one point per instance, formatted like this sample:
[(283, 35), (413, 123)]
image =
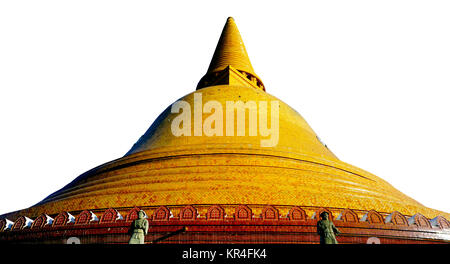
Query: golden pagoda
[(235, 177)]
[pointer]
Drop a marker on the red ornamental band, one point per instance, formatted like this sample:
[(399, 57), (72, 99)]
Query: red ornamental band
[(228, 223)]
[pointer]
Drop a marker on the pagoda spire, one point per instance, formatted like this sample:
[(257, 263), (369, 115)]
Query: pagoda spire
[(230, 50), (230, 53)]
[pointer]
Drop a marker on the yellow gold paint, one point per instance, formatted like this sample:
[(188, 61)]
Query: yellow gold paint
[(231, 53), (162, 169), (230, 50)]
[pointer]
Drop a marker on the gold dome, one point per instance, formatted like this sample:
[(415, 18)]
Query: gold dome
[(164, 169)]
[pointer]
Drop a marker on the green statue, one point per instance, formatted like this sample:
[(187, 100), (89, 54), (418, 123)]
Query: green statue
[(326, 230), (139, 229)]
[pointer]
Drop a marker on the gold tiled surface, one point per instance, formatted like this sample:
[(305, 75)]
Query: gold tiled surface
[(169, 170), (230, 50), (162, 169), (295, 135)]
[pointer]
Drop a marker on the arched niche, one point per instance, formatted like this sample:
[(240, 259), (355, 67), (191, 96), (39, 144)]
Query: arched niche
[(373, 217), (21, 223), (162, 214), (5, 224), (110, 215), (63, 218), (270, 213), (348, 216), (440, 222), (133, 214), (243, 212), (297, 214), (38, 222), (85, 217), (41, 221), (396, 218), (215, 212), (419, 220), (188, 213)]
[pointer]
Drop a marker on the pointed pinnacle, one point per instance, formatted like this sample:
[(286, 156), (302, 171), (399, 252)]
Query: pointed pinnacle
[(230, 51)]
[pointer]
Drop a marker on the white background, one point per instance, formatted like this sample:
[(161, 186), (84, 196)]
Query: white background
[(81, 81)]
